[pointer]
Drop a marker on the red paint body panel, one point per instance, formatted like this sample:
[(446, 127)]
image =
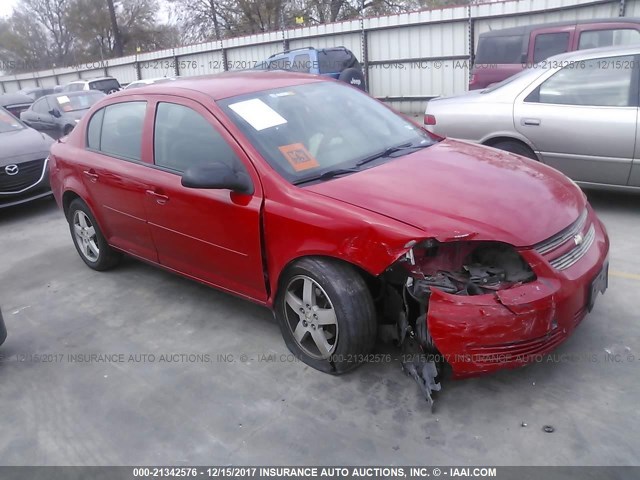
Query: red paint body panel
[(242, 243), (455, 189)]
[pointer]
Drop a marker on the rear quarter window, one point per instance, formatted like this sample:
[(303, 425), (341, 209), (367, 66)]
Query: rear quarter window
[(501, 50)]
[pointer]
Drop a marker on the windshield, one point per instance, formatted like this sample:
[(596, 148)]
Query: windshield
[(8, 123), (77, 102), (308, 130)]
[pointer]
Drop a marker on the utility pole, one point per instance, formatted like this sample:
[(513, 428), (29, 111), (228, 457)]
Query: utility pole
[(117, 39)]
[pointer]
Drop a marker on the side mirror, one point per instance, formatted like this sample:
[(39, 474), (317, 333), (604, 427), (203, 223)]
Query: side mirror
[(55, 112), (217, 176)]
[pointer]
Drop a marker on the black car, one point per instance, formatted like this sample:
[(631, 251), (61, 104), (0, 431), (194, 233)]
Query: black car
[(3, 330), (57, 114), (15, 103), (23, 162)]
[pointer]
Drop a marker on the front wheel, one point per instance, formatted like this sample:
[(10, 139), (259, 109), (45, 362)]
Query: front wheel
[(88, 239), (326, 314)]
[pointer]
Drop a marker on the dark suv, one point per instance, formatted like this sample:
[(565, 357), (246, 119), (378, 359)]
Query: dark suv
[(337, 62), (502, 53)]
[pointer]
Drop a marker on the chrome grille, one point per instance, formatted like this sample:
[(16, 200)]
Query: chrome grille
[(558, 239), (29, 173), (571, 257)]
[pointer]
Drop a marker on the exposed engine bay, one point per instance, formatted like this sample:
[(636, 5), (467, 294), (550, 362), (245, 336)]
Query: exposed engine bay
[(462, 268)]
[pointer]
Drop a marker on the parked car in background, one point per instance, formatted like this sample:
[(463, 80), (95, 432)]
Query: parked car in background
[(37, 92), (577, 113), (148, 81), (15, 103), (338, 62), (23, 162), (382, 219), (502, 53), (57, 114), (106, 85)]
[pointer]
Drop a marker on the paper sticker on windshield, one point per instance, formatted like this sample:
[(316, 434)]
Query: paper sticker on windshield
[(258, 114), (63, 99), (299, 157)]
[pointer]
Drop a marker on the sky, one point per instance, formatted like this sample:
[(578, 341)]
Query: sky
[(6, 7)]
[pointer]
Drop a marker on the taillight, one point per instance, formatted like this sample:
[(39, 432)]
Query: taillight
[(429, 119)]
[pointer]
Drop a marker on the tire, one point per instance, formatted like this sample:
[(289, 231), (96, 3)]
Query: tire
[(341, 315), (88, 239), (354, 77), (515, 147)]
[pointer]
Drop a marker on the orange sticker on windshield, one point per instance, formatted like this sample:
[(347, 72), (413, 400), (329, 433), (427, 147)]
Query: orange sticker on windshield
[(299, 157)]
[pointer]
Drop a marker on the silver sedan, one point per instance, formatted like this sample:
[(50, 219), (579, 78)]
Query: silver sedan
[(577, 112)]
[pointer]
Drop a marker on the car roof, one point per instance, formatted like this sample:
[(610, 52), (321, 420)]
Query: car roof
[(87, 80), (526, 29), (590, 53), (306, 49), (14, 99), (227, 84), (74, 94)]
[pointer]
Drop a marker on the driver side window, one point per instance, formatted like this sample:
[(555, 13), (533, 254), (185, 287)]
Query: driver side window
[(183, 138)]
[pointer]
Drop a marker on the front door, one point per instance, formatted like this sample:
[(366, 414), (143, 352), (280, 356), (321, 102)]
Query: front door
[(210, 235)]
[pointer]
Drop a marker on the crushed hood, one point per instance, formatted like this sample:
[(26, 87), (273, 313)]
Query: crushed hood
[(456, 189)]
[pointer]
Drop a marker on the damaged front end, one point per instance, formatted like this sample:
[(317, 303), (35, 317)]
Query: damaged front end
[(452, 269)]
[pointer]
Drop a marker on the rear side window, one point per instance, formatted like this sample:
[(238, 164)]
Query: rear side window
[(607, 38), (183, 138), (335, 61), (120, 132), (550, 44), (301, 63), (501, 50), (599, 82)]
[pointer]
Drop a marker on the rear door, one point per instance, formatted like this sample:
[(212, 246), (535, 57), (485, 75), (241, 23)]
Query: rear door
[(582, 118), (115, 169), (210, 235)]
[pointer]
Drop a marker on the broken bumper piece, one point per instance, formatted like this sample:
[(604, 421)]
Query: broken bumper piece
[(514, 327)]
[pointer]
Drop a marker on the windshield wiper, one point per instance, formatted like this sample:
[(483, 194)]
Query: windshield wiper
[(327, 175), (390, 151)]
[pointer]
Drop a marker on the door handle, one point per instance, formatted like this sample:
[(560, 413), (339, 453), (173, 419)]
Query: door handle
[(160, 198), (92, 175), (532, 122)]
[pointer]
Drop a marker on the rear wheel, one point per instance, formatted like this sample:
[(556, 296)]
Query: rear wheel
[(88, 239), (326, 314), (516, 147)]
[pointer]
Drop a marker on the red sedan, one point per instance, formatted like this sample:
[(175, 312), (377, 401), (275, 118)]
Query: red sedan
[(310, 197)]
